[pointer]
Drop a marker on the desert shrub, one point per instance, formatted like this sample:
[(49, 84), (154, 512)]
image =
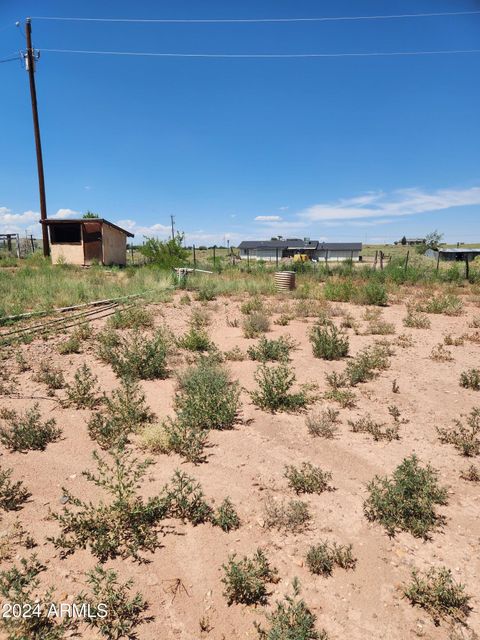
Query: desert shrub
[(323, 557), (206, 398), (283, 320), (12, 538), (125, 412), (200, 318), (20, 586), (252, 305), (440, 353), (26, 431), (50, 375), (447, 304), (292, 516), (291, 620), (12, 494), (246, 580), (464, 438), (405, 341), (367, 363), (71, 345), (186, 500), (235, 354), (136, 355), (416, 320), (338, 290), (349, 322), (328, 342), (307, 479), (323, 424), (132, 318), (114, 611), (472, 474), (207, 292), (195, 340), (453, 342), (255, 323), (309, 308), (475, 322), (272, 350), (439, 594), (376, 324), (379, 431), (470, 379), (345, 397), (82, 393), (226, 516), (371, 292), (22, 363), (406, 501), (124, 526), (233, 322), (154, 437), (189, 441), (274, 389)]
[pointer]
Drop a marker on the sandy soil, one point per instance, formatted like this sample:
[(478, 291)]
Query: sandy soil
[(248, 463)]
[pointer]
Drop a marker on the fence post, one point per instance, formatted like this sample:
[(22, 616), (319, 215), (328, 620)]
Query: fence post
[(276, 256), (406, 260), (33, 244), (214, 263), (326, 260), (467, 267), (438, 259), (375, 261), (248, 259), (381, 260), (194, 257)]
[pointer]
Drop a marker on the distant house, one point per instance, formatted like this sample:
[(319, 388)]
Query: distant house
[(270, 250), (455, 255), (86, 241), (411, 241)]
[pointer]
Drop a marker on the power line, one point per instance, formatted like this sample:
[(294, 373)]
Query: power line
[(356, 54), (260, 20), (11, 59)]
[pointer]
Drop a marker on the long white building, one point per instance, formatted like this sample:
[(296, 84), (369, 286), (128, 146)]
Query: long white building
[(271, 250)]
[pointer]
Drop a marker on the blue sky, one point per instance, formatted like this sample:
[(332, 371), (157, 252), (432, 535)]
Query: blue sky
[(348, 148)]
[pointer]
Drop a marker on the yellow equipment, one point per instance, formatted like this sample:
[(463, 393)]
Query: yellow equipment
[(301, 257)]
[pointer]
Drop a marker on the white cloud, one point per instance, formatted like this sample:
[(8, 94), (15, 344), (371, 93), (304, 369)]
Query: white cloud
[(402, 202), (17, 222), (66, 213), (267, 218)]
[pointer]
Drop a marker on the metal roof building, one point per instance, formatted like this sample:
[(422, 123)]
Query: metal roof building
[(286, 248)]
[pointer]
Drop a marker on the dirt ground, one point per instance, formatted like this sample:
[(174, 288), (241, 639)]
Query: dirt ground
[(182, 581)]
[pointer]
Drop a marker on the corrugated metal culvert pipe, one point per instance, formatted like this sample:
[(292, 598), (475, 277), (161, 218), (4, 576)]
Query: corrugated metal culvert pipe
[(285, 280)]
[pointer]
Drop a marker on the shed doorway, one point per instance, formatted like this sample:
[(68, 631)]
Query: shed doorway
[(92, 242)]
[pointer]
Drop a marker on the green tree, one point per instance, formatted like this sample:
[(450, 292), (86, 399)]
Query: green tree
[(166, 253), (433, 239), (90, 214)]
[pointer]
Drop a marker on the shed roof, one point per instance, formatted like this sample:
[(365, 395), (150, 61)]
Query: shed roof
[(54, 221)]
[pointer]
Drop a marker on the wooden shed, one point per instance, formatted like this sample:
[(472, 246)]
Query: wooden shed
[(86, 241)]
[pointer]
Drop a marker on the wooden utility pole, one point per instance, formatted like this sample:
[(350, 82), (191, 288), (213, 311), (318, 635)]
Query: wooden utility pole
[(172, 219), (30, 63)]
